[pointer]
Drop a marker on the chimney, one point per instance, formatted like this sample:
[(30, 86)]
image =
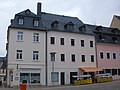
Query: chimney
[(39, 9)]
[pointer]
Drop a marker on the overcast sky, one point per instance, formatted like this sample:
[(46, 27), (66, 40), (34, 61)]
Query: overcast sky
[(96, 12)]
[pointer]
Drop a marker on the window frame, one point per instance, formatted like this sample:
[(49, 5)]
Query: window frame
[(20, 21), (83, 57), (36, 23), (53, 79), (35, 56), (100, 55), (62, 42), (19, 54), (114, 57), (19, 36), (72, 42), (92, 58), (82, 43), (73, 57), (36, 37), (52, 40), (62, 57), (91, 44), (107, 55)]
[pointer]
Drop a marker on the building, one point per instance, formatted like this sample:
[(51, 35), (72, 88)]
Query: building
[(3, 67), (115, 22), (33, 38), (108, 49)]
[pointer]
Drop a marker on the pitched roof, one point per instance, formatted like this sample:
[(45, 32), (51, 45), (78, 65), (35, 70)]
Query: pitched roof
[(46, 20), (118, 17), (106, 34)]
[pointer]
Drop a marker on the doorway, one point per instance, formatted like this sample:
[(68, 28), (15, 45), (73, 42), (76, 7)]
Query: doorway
[(62, 78), (72, 78)]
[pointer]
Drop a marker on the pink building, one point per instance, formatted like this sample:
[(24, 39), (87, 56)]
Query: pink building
[(108, 49)]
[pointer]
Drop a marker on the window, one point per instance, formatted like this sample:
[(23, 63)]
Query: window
[(82, 43), (72, 42), (52, 40), (54, 76), (73, 57), (114, 71), (36, 37), (92, 58), (62, 57), (83, 58), (55, 25), (101, 55), (118, 71), (108, 55), (20, 21), (19, 36), (107, 70), (36, 23), (91, 43), (114, 56), (19, 55), (62, 41), (35, 55)]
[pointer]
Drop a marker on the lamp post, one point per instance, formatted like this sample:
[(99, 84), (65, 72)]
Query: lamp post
[(52, 59)]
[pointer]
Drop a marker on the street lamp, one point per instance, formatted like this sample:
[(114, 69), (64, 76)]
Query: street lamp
[(52, 59)]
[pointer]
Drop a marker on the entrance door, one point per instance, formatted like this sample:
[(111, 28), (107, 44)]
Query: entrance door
[(62, 78), (72, 78)]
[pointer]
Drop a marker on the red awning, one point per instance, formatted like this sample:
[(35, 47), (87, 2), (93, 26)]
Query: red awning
[(90, 69)]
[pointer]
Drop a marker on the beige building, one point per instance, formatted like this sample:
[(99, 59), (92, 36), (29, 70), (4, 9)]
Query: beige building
[(115, 22)]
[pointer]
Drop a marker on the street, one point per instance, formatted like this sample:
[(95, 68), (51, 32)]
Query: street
[(114, 85)]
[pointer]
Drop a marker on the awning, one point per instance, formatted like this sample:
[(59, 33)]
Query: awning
[(90, 69)]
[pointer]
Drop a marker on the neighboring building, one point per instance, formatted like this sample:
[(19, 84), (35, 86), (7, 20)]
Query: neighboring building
[(108, 49), (3, 67), (31, 39), (115, 22)]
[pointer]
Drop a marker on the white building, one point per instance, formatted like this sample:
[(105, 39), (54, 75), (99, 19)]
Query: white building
[(31, 39)]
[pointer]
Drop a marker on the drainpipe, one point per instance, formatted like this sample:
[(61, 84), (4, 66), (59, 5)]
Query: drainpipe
[(46, 63)]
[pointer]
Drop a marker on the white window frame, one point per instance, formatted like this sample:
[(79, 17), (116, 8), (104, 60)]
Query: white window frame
[(100, 55), (19, 54), (35, 55), (36, 23), (106, 55), (19, 36), (36, 37), (116, 56), (20, 21)]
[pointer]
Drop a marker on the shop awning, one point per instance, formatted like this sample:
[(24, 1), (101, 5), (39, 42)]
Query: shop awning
[(90, 69)]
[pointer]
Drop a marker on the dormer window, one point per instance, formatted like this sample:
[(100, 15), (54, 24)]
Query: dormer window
[(55, 24), (114, 38), (36, 22), (98, 28), (114, 30), (82, 28), (69, 26), (20, 21), (102, 37)]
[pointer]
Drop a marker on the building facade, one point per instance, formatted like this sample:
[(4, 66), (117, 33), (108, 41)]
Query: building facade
[(3, 67), (115, 22), (33, 37), (108, 49)]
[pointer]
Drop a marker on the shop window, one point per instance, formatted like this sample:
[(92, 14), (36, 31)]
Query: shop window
[(114, 71), (54, 76)]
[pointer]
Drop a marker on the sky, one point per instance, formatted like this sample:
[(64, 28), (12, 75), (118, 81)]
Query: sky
[(95, 12)]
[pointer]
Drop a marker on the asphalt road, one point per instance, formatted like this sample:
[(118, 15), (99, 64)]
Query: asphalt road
[(114, 85)]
